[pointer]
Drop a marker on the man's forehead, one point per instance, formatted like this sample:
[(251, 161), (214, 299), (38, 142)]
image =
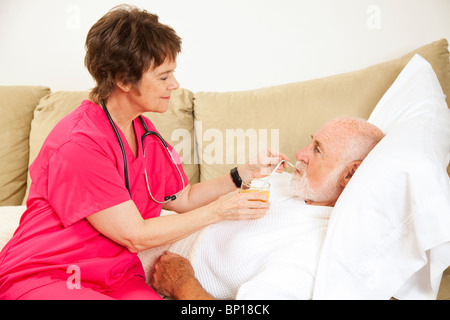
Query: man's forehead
[(329, 137)]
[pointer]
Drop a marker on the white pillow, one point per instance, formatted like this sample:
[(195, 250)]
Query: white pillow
[(390, 228)]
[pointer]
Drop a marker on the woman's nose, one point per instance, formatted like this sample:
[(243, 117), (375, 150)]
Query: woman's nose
[(173, 85)]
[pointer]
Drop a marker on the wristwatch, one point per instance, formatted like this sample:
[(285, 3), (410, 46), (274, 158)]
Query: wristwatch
[(236, 177)]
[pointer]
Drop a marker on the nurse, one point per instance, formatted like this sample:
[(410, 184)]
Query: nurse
[(104, 174)]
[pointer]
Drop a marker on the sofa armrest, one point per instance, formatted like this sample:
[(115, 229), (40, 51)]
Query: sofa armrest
[(9, 221)]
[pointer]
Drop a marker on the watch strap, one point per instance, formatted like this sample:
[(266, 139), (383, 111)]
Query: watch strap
[(236, 177)]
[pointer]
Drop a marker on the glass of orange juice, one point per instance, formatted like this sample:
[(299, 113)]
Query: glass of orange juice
[(255, 185)]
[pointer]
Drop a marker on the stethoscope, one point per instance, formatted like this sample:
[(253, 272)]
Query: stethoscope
[(125, 168)]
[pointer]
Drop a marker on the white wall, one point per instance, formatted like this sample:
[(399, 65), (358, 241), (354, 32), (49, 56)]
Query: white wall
[(227, 44)]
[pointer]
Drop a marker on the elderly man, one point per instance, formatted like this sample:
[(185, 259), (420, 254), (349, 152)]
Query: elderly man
[(274, 257)]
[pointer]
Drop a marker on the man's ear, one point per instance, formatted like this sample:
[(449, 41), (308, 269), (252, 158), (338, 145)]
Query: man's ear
[(348, 173)]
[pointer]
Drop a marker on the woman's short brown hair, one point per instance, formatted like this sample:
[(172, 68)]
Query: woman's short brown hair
[(125, 43)]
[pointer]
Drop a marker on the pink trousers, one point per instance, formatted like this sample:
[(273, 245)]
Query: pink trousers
[(133, 289)]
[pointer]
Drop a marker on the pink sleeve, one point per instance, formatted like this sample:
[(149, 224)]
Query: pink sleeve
[(82, 181)]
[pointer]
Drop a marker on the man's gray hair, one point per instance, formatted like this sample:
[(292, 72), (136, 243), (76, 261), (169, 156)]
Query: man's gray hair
[(359, 137)]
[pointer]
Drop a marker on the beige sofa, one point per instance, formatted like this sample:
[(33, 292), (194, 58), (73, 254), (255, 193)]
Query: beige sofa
[(281, 117)]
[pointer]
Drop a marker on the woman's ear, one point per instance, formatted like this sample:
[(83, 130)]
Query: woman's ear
[(127, 87), (348, 173), (121, 84)]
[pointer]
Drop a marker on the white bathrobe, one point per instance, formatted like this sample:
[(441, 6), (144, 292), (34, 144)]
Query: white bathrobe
[(274, 257)]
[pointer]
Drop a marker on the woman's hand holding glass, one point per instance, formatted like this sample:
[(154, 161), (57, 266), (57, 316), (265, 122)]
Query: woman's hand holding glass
[(256, 185), (241, 206), (245, 204)]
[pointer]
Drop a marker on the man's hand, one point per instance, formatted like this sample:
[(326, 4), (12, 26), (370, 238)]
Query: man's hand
[(174, 276)]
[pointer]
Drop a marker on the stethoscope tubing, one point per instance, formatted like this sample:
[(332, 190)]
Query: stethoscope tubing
[(147, 133), (125, 167)]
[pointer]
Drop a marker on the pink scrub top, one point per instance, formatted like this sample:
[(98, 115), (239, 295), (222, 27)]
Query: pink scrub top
[(78, 172)]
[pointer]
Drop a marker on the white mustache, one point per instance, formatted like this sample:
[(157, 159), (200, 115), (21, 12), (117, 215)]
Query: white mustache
[(300, 166)]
